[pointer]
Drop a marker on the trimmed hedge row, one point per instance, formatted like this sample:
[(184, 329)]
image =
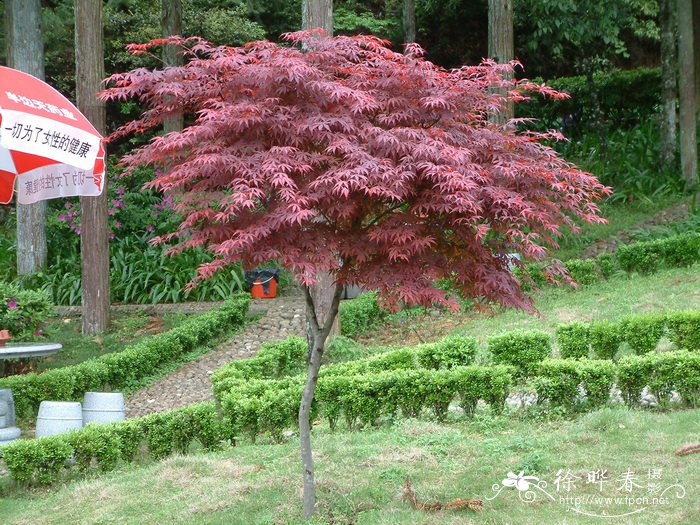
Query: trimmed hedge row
[(640, 257), (272, 406), (44, 461), (120, 370), (642, 332), (285, 358)]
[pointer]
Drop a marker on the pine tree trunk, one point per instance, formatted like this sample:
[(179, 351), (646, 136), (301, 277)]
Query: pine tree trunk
[(409, 21), (317, 13), (696, 43), (686, 84), (94, 243), (669, 114), (171, 23), (320, 333), (25, 52), (501, 47)]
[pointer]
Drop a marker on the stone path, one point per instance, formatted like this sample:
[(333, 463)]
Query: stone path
[(282, 317)]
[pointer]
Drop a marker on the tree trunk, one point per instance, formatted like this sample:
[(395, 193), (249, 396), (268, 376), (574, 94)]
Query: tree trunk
[(501, 42), (409, 21), (686, 63), (696, 43), (317, 13), (320, 336), (669, 114), (94, 243), (171, 23), (25, 52)]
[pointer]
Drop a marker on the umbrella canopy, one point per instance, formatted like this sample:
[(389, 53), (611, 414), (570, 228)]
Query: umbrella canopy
[(46, 145)]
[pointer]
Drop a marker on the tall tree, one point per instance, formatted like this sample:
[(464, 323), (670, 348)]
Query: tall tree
[(669, 63), (409, 21), (25, 52), (395, 155), (171, 23), (501, 42), (686, 92), (317, 13), (94, 242)]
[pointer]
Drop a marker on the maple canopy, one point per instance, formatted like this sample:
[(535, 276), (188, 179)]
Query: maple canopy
[(341, 155)]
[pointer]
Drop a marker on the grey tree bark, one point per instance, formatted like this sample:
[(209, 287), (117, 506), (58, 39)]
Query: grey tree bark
[(25, 52), (320, 332), (322, 301), (409, 21), (171, 23), (501, 47), (94, 242), (669, 113), (317, 13), (686, 89)]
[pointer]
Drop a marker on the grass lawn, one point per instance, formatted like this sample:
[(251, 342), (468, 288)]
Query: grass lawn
[(673, 289), (125, 329), (360, 475)]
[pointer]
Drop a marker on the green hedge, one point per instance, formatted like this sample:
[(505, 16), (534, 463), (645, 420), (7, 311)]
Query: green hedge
[(521, 349), (640, 257), (662, 373), (45, 460), (573, 339), (570, 382), (625, 97), (122, 369), (361, 314)]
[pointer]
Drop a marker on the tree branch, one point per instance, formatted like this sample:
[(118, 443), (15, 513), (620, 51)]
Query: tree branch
[(312, 310)]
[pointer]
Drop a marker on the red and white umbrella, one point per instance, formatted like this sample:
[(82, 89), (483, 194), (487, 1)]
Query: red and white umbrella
[(47, 147)]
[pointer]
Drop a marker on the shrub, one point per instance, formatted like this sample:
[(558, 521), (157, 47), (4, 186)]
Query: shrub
[(522, 349), (573, 339), (123, 369), (341, 349), (605, 339), (361, 314), (584, 272), (562, 381), (643, 332), (681, 250), (23, 312), (641, 257), (684, 329), (451, 351), (606, 264)]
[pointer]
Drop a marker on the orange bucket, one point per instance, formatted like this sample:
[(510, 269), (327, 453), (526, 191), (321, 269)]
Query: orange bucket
[(258, 292)]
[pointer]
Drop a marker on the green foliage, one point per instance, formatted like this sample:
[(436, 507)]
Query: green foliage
[(449, 352), (605, 339), (560, 382), (359, 315), (684, 329), (584, 272), (573, 339), (121, 369), (23, 312), (627, 98), (662, 373), (643, 332), (606, 265), (45, 461), (341, 349), (522, 349)]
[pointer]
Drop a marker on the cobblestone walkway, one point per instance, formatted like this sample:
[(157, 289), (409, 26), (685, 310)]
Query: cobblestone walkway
[(282, 317)]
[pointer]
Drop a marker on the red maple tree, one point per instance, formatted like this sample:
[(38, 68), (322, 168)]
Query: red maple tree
[(340, 155)]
